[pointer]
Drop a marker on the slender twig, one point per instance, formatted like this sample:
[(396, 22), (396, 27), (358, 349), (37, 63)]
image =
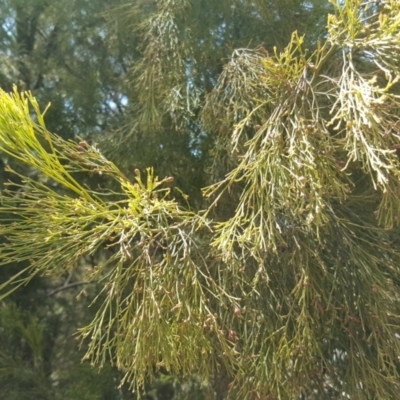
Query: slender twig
[(64, 287)]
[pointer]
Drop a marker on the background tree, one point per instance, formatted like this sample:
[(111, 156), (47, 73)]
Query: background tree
[(286, 286)]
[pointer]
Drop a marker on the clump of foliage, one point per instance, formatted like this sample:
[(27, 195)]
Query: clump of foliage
[(292, 288)]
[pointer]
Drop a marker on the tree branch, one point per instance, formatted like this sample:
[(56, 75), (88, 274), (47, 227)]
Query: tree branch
[(64, 287)]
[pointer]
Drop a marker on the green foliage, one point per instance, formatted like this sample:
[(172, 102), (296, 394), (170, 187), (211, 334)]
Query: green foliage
[(144, 218), (16, 372), (59, 50), (23, 367), (182, 48), (287, 284)]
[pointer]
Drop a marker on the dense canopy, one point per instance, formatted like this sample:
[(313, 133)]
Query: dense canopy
[(218, 180)]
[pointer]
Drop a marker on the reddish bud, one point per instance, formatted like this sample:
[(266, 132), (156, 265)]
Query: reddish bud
[(233, 335)]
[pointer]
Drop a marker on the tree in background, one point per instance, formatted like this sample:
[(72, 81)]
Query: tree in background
[(282, 281)]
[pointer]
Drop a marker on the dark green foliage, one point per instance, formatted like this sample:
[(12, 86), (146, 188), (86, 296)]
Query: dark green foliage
[(35, 361)]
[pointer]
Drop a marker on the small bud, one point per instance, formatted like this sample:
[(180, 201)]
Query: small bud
[(237, 311), (137, 172), (169, 179), (233, 335)]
